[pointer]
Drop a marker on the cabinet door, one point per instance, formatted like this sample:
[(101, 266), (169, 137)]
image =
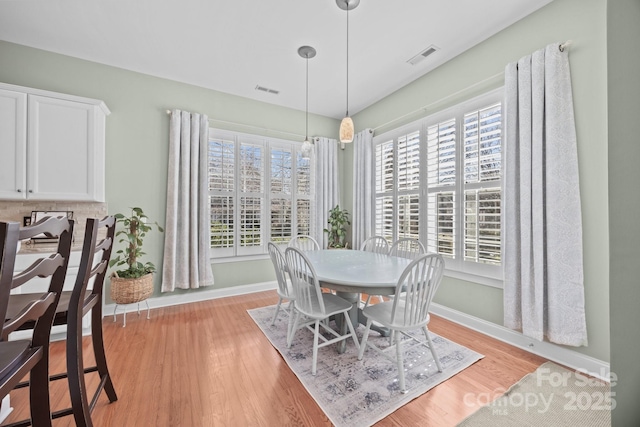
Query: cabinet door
[(13, 144), (61, 153)]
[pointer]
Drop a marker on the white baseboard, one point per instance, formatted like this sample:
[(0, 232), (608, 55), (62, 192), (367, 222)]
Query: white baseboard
[(553, 352), (185, 298)]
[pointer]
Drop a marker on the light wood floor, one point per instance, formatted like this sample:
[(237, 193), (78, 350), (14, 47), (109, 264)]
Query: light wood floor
[(208, 364)]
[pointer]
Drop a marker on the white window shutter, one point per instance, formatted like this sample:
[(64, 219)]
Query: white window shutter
[(453, 159), (222, 194), (260, 189)]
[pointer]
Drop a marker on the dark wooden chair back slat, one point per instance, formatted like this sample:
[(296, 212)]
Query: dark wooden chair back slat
[(43, 267), (30, 313)]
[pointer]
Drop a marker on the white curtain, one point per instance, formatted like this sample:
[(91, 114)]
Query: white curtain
[(543, 271), (327, 194), (187, 235), (361, 225)]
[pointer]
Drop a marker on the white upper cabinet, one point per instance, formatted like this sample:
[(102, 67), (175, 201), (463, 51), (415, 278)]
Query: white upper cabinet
[(13, 144), (51, 145)]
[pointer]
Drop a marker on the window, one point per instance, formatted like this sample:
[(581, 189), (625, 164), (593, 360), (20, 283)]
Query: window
[(260, 190), (439, 180)]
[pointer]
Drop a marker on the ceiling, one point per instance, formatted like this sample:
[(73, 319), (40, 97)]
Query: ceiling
[(235, 46)]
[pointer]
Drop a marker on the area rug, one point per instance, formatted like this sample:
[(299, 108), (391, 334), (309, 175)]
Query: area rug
[(550, 396), (359, 393)]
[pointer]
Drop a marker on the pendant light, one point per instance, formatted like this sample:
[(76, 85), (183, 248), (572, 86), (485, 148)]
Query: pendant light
[(346, 126), (306, 52)]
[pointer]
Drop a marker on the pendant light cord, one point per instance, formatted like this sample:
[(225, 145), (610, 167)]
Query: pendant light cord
[(347, 58), (306, 130)]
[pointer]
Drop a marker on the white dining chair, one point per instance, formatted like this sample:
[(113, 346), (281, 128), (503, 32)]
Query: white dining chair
[(407, 247), (304, 243), (408, 311), (376, 244), (316, 306), (379, 245), (285, 291)]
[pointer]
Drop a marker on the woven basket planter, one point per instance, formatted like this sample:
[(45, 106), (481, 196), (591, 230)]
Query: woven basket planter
[(129, 290)]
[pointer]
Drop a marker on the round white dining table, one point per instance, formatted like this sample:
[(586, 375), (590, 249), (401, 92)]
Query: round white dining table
[(352, 272), (357, 271)]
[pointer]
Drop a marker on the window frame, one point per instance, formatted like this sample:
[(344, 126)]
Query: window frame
[(458, 267), (266, 144)]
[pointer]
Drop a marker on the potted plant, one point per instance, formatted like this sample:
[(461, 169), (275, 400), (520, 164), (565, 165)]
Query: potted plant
[(134, 283), (338, 221)]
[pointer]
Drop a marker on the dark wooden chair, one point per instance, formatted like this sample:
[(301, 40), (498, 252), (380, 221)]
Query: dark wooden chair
[(72, 307), (31, 356)]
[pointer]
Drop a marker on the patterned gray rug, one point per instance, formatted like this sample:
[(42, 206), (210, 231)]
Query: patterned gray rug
[(359, 393)]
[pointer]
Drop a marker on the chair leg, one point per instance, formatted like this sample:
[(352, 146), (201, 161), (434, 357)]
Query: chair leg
[(275, 314), (39, 392), (294, 328), (400, 362), (366, 303), (433, 350), (75, 371), (380, 299), (363, 343), (98, 351), (291, 311), (351, 330), (316, 334)]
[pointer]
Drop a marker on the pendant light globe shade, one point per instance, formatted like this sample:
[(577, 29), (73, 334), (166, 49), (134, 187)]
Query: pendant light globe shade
[(346, 130), (306, 149)]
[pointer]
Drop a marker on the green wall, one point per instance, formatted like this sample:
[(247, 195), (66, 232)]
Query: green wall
[(480, 69), (137, 133), (623, 34)]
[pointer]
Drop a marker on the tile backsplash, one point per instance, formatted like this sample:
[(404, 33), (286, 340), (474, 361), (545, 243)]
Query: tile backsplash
[(16, 210)]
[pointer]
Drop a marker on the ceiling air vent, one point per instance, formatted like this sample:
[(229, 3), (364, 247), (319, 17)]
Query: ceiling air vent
[(422, 55), (267, 90)]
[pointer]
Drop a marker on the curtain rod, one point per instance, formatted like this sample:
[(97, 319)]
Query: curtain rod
[(425, 107), (251, 127), (562, 47)]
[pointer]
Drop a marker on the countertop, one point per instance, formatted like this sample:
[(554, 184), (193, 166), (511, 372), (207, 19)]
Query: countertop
[(29, 247)]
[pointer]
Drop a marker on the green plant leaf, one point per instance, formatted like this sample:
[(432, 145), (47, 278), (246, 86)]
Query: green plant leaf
[(134, 230)]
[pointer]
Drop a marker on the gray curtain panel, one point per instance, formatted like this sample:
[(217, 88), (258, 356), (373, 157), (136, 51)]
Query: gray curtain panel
[(543, 270), (327, 185), (363, 192), (187, 264)]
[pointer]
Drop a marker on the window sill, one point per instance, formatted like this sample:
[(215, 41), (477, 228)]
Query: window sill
[(243, 258), (481, 280)]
